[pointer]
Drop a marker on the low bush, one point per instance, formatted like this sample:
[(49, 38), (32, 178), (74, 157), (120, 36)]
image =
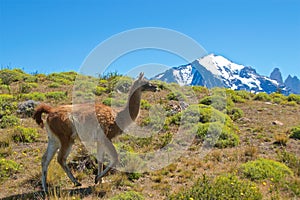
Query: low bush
[(160, 84), (155, 122), (57, 95), (120, 84), (173, 96), (278, 98), (145, 104), (262, 96), (243, 94), (36, 96), (290, 160), (218, 102), (217, 134), (222, 187), (129, 195), (134, 176), (107, 101), (235, 113), (200, 89), (7, 104), (294, 97), (7, 168), (64, 78), (23, 134), (26, 87), (261, 169), (295, 132), (9, 76), (289, 103), (9, 121), (4, 98), (129, 161), (99, 90), (281, 139), (54, 85)]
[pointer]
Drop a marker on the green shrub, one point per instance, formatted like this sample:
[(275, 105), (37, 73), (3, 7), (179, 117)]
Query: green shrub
[(129, 161), (58, 95), (4, 141), (294, 97), (134, 176), (23, 134), (129, 195), (261, 169), (235, 113), (237, 99), (115, 82), (262, 96), (7, 104), (217, 134), (209, 114), (289, 103), (290, 160), (204, 114), (121, 84), (293, 185), (174, 119), (4, 98), (82, 97), (222, 187), (278, 98), (155, 122), (218, 102), (54, 85), (27, 87), (5, 89), (118, 102), (107, 101), (295, 132), (9, 76), (9, 121), (172, 96), (8, 168), (200, 89), (36, 96), (99, 90), (145, 104), (243, 94), (64, 78)]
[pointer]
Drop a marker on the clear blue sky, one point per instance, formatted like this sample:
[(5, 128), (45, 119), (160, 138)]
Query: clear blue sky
[(57, 35)]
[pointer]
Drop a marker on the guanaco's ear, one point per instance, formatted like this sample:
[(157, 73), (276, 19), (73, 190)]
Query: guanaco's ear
[(141, 76)]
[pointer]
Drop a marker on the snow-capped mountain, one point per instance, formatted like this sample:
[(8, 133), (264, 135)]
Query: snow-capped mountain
[(217, 71)]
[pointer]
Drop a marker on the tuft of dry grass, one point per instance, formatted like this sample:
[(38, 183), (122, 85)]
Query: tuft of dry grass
[(281, 139)]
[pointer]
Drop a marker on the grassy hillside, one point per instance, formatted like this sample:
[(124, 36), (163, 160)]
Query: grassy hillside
[(256, 155)]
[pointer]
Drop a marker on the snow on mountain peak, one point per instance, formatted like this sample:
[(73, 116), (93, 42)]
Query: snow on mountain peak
[(218, 64), (183, 75), (217, 71)]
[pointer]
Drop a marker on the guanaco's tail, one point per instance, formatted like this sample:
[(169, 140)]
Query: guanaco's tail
[(43, 108)]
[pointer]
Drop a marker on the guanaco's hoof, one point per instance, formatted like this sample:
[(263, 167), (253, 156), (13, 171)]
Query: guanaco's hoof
[(97, 179)]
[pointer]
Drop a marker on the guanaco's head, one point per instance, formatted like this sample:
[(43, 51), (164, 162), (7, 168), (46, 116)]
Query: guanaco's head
[(144, 84)]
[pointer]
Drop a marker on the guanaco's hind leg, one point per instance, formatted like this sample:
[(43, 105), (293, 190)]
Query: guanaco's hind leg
[(63, 153), (52, 148)]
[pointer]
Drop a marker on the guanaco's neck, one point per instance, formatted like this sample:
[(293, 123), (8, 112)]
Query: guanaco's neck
[(130, 112)]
